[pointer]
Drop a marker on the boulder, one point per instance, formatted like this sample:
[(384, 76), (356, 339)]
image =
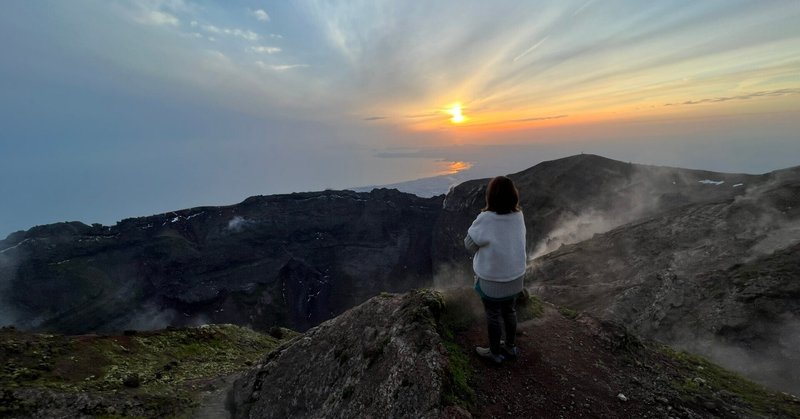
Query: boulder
[(382, 359)]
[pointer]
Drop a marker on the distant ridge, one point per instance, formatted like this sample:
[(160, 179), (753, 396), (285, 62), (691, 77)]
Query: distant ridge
[(425, 187)]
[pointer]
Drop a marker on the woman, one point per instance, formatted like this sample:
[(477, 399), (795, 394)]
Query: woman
[(497, 236)]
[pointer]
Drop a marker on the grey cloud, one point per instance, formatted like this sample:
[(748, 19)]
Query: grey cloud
[(540, 118), (763, 93)]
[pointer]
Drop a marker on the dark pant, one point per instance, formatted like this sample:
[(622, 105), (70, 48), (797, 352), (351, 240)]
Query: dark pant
[(495, 310)]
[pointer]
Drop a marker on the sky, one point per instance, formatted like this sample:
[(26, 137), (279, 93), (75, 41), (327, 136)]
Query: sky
[(112, 109)]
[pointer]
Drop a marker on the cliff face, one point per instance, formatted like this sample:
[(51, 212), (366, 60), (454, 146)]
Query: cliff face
[(291, 260), (383, 359)]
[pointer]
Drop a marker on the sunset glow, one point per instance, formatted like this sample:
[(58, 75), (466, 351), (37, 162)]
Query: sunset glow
[(275, 97), (455, 112), (453, 167)]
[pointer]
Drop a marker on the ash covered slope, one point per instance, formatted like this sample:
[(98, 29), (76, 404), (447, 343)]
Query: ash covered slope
[(719, 278), (382, 359), (569, 199), (292, 260)]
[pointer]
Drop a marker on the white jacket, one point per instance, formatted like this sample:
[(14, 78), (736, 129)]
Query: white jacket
[(501, 239)]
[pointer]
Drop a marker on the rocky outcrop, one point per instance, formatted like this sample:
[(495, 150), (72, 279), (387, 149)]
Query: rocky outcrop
[(383, 359), (291, 260)]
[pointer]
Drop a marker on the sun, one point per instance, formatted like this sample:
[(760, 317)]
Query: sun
[(455, 110)]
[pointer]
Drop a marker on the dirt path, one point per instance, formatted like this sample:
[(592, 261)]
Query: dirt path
[(566, 370), (213, 397)]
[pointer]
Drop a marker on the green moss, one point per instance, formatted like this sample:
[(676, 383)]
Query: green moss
[(426, 307), (160, 367), (457, 390), (529, 307), (568, 312), (701, 379), (461, 309), (432, 299)]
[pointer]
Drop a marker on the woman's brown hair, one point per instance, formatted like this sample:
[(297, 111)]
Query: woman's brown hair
[(502, 196)]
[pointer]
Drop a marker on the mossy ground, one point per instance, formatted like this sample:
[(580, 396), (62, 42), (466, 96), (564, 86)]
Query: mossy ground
[(462, 309), (529, 306), (568, 312), (701, 381), (165, 366)]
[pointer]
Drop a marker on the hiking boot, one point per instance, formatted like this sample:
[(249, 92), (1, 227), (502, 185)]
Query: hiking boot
[(510, 351), (487, 353)]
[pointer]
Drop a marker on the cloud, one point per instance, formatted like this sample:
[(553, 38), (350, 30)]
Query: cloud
[(423, 115), (763, 93), (585, 5), (261, 15), (426, 153), (154, 17), (529, 50), (539, 118), (158, 12), (264, 49), (279, 67), (241, 33), (374, 118)]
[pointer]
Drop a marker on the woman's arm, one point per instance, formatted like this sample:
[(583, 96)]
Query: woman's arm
[(470, 244)]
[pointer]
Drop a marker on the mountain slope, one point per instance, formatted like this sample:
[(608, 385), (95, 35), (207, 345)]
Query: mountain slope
[(412, 356), (292, 260), (162, 373), (717, 278), (569, 199)]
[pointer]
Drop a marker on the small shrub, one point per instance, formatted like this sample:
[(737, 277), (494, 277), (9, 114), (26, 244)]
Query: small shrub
[(132, 381), (529, 306), (568, 312), (276, 332)]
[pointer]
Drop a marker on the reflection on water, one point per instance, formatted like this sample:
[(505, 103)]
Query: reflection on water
[(453, 167)]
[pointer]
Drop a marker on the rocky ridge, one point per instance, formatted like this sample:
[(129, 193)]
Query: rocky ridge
[(412, 356), (569, 200), (287, 260)]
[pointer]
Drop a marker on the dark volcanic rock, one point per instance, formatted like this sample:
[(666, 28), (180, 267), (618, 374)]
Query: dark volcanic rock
[(570, 199), (717, 278), (291, 260), (382, 359)]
